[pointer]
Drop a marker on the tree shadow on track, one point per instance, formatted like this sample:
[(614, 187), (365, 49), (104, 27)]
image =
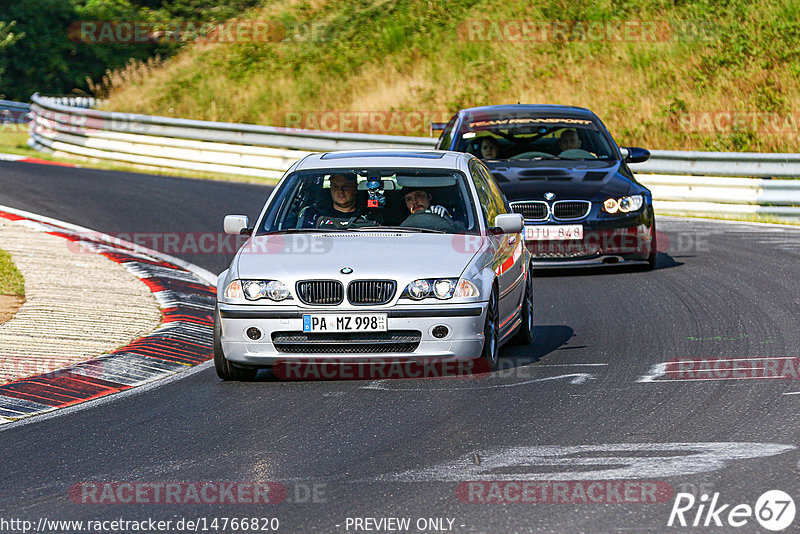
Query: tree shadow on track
[(665, 261)]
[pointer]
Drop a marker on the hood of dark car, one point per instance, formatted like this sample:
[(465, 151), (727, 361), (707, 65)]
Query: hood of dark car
[(567, 180)]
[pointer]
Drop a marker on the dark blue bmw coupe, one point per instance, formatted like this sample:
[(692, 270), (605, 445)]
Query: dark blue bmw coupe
[(561, 169)]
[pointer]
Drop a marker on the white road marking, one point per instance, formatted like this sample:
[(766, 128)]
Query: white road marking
[(591, 462), (577, 378), (656, 371), (659, 370)]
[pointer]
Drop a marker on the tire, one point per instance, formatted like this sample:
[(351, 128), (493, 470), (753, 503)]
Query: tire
[(491, 338), (525, 334), (652, 259), (225, 369)]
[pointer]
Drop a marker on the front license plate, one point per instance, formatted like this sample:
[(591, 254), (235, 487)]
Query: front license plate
[(374, 322), (553, 232)]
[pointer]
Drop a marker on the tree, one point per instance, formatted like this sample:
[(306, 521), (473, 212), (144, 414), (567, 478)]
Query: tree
[(7, 39)]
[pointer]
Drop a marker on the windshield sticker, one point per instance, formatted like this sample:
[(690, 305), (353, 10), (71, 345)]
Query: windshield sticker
[(526, 122)]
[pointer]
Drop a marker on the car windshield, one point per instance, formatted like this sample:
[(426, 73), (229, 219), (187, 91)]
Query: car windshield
[(525, 137), (352, 200)]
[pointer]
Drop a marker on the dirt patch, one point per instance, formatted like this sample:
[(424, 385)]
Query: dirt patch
[(9, 304)]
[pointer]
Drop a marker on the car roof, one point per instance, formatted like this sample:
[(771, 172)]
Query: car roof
[(382, 157), (550, 110)]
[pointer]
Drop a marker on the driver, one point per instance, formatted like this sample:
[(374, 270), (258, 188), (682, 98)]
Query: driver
[(489, 148), (343, 194), (419, 201), (569, 140)]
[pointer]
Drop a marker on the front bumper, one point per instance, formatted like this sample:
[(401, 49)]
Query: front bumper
[(620, 239), (464, 340)]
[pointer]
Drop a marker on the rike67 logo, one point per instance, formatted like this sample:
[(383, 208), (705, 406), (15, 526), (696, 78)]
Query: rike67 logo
[(774, 510)]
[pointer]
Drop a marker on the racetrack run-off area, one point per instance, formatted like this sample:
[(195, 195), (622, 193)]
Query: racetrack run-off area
[(182, 340)]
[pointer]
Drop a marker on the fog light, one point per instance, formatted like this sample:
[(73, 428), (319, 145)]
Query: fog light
[(253, 333), (440, 331)]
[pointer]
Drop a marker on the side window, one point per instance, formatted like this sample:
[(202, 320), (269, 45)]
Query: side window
[(447, 135), (488, 204), (497, 194)]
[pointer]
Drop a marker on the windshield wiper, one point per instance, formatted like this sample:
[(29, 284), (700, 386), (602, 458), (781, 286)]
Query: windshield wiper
[(300, 231)]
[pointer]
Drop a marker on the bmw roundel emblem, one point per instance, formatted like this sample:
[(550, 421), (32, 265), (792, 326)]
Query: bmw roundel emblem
[(346, 270), (549, 196)]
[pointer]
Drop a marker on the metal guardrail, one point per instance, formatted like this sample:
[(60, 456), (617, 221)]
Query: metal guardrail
[(746, 164), (242, 149), (694, 182), (14, 106), (723, 195), (14, 112)]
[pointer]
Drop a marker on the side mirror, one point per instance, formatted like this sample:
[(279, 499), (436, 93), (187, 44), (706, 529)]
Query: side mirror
[(234, 224), (634, 154), (509, 223)]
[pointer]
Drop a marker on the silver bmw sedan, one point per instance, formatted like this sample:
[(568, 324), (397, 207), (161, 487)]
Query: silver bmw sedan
[(375, 255)]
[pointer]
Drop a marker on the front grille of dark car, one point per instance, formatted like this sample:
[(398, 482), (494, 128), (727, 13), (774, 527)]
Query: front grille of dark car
[(347, 342), (371, 291), (571, 210), (532, 210), (320, 292)]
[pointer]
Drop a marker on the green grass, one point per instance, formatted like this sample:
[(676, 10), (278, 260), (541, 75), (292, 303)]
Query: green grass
[(14, 142), (11, 280), (731, 56)]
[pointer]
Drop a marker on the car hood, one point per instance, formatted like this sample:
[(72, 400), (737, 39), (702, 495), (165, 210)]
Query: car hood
[(380, 255), (585, 180)]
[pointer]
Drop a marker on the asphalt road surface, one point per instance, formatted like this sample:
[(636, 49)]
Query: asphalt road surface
[(679, 380)]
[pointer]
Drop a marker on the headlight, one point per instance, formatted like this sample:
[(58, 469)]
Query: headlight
[(418, 289), (257, 289), (624, 204), (440, 288), (443, 289), (631, 203)]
